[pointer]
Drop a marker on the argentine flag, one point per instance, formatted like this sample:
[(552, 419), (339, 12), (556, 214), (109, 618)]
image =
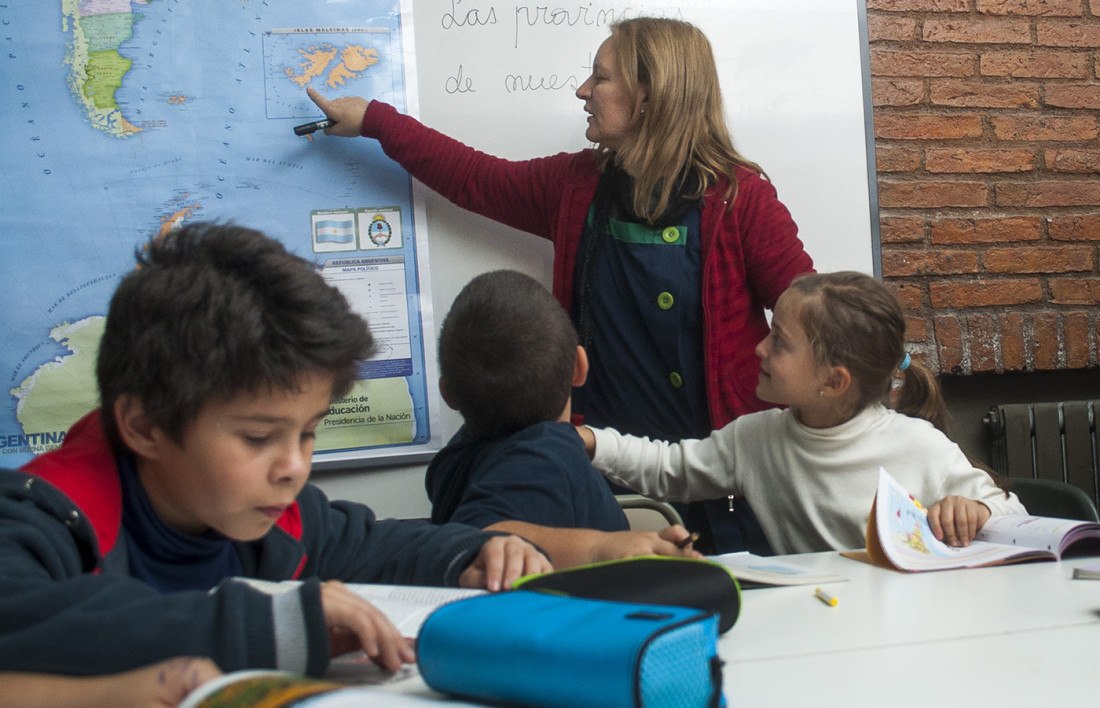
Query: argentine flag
[(335, 230)]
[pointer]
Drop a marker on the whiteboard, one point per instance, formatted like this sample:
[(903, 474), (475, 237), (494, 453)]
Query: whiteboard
[(502, 76)]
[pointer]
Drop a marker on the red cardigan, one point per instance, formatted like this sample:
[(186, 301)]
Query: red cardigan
[(750, 252)]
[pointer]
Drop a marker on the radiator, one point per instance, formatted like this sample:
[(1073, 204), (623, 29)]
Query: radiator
[(1048, 441)]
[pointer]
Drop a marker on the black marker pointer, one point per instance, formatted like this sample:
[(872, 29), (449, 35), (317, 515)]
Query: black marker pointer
[(307, 128)]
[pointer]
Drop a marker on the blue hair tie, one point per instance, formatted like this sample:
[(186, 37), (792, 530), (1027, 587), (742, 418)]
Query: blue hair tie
[(905, 362)]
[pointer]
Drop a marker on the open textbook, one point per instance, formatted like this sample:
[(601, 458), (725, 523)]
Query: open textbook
[(898, 536), (407, 606), (279, 689), (761, 571)]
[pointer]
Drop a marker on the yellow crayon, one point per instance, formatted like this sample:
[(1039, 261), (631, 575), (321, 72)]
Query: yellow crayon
[(825, 597)]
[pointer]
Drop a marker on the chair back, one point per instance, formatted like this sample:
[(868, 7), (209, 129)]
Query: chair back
[(1049, 497), (645, 514)]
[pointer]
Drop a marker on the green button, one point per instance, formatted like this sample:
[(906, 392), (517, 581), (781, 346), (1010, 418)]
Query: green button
[(676, 380), (665, 300), (671, 234)]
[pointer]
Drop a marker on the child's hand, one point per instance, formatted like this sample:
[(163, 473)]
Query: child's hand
[(165, 683), (682, 539), (160, 685), (628, 544), (501, 561), (346, 113), (355, 624), (956, 520), (589, 439)]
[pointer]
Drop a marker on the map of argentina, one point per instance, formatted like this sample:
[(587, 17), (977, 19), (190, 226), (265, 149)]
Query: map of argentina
[(57, 394), (96, 66)]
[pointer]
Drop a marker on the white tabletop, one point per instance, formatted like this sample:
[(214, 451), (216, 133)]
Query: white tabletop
[(1004, 636), (1020, 635)]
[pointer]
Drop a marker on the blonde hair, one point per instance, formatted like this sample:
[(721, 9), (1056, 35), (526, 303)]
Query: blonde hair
[(683, 128)]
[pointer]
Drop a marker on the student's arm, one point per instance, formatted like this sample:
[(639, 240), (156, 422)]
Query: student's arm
[(689, 470), (350, 544), (108, 622), (571, 547), (49, 597), (161, 685)]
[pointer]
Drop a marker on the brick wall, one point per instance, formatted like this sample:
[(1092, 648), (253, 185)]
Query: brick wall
[(987, 139)]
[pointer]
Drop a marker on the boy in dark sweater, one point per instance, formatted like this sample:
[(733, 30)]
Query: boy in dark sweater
[(508, 360), (222, 353)]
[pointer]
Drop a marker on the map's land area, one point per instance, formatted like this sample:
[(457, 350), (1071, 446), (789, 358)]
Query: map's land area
[(127, 118)]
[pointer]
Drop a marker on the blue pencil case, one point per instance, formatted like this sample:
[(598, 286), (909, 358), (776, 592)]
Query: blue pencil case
[(549, 651), (648, 580)]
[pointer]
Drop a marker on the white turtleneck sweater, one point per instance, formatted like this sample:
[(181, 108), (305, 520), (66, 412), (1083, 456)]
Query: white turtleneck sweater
[(811, 488)]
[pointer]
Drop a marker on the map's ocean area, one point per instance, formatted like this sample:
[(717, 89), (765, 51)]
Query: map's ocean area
[(205, 135)]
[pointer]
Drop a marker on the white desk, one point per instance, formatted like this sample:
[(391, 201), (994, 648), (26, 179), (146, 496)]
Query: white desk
[(1022, 635), (1005, 636)]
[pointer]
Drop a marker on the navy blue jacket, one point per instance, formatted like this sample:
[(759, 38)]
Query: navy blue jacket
[(540, 475), (68, 604)]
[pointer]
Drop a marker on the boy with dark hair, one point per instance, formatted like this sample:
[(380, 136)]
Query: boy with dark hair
[(508, 360), (221, 354)]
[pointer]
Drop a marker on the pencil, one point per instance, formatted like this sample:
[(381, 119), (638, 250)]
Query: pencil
[(689, 540)]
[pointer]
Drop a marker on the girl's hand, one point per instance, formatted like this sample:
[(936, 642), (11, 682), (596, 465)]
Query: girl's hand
[(956, 520)]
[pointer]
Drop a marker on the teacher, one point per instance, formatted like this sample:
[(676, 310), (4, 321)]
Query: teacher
[(668, 244)]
